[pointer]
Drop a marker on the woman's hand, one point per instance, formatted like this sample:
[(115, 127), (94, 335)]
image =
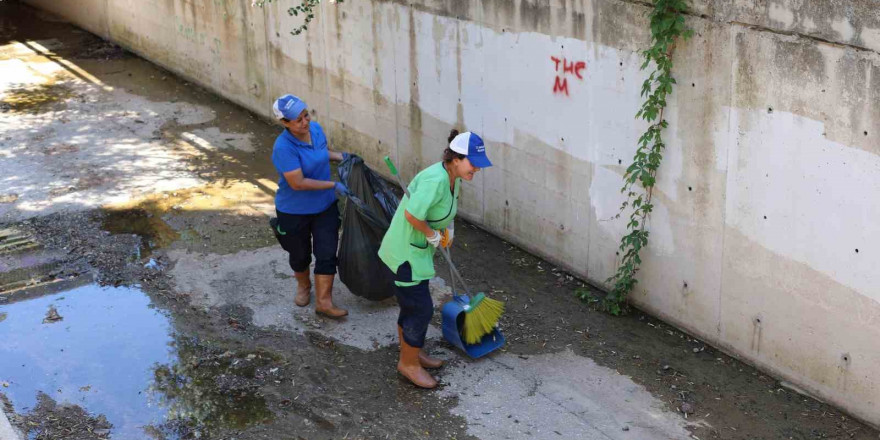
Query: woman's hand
[(436, 239), (433, 237), (341, 189), (448, 234)]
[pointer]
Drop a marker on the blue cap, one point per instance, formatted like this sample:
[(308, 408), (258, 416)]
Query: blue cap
[(288, 107), (472, 146)]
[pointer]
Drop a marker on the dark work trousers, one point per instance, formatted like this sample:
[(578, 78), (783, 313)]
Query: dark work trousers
[(302, 234), (416, 307)]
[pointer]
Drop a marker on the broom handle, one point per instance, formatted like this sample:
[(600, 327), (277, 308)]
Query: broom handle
[(452, 269), (443, 250)]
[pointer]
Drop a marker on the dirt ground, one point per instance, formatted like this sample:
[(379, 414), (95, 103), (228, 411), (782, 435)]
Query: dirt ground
[(237, 379)]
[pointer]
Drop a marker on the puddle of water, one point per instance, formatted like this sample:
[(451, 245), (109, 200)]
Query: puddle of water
[(109, 352), (154, 232), (100, 356)]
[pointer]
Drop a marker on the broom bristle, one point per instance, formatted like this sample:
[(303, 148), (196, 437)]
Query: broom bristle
[(481, 318)]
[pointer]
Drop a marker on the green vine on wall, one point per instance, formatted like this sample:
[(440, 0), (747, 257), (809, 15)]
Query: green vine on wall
[(667, 25), (306, 8)]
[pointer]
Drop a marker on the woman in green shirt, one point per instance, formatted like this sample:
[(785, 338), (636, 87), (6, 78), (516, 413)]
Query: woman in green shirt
[(424, 221)]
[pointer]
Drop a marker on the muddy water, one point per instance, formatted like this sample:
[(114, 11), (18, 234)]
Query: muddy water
[(154, 232)]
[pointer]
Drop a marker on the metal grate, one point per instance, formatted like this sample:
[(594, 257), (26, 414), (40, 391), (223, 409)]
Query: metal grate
[(13, 241)]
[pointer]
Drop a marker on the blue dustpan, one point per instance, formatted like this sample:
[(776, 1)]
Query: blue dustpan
[(453, 321)]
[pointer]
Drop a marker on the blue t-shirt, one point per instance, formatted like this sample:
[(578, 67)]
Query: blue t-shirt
[(290, 154)]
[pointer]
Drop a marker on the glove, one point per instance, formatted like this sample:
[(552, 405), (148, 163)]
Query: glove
[(342, 189), (447, 236), (434, 240)]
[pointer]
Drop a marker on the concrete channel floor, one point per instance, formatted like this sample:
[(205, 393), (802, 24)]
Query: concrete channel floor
[(127, 174)]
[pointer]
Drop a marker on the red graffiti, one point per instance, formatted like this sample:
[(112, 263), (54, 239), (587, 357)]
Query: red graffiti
[(561, 85), (568, 67)]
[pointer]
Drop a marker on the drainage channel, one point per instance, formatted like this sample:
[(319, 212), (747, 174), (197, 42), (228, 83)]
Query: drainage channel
[(25, 265)]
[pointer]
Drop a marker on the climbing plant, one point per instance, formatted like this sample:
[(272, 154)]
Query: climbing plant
[(306, 9), (667, 26)]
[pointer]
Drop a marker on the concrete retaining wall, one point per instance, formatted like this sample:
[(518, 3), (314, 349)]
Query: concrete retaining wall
[(764, 240)]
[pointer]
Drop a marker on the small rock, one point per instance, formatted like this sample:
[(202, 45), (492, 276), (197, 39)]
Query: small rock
[(625, 428), (686, 408), (696, 350)]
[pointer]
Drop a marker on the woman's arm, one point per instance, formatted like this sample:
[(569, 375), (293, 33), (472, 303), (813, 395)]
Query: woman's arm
[(297, 181), (420, 225), (335, 155)]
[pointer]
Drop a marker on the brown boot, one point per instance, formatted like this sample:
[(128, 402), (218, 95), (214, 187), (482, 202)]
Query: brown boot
[(324, 298), (409, 367), (303, 289), (424, 360), (429, 362)]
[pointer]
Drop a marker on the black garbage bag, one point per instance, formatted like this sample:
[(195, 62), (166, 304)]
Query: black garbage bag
[(367, 214)]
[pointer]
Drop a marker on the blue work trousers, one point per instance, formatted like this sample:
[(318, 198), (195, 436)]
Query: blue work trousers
[(416, 307), (302, 234)]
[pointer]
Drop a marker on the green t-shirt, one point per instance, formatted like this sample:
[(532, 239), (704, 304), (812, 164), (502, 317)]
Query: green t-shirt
[(432, 201)]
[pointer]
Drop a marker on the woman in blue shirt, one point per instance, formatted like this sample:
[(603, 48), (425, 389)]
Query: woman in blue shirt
[(308, 219)]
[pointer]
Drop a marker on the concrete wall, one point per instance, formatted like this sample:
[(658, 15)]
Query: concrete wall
[(764, 236)]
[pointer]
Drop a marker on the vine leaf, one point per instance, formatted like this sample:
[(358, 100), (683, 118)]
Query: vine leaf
[(307, 8), (667, 25)]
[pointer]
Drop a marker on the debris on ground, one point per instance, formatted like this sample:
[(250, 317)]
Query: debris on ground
[(52, 315), (52, 421)]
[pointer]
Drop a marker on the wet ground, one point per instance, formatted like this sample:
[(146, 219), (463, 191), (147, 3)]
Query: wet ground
[(142, 294)]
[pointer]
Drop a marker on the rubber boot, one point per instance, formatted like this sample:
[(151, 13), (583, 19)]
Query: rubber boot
[(410, 368), (303, 289), (425, 360), (324, 298)]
